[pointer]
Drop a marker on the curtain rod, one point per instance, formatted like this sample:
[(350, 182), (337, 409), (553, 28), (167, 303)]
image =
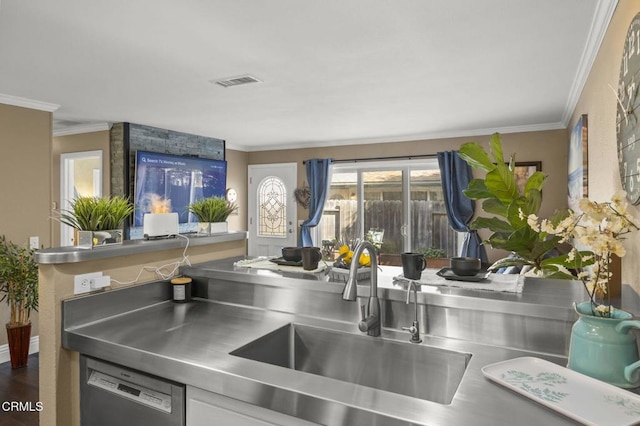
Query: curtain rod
[(399, 157)]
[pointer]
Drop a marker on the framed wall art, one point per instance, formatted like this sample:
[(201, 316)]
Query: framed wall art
[(578, 163), (523, 170)]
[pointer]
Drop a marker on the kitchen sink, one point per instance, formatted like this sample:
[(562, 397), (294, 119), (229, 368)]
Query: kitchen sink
[(418, 371)]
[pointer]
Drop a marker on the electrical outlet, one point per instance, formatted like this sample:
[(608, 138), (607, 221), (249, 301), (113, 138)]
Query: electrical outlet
[(82, 283), (34, 243)]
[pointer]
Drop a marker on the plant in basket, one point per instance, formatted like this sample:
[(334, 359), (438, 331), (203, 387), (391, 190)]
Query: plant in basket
[(345, 258)]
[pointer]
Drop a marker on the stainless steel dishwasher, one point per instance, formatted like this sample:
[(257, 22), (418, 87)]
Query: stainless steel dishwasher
[(114, 395)]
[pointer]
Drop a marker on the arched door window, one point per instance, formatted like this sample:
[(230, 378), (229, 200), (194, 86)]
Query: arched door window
[(272, 211)]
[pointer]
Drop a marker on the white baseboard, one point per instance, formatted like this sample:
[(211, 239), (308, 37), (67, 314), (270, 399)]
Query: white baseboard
[(34, 346)]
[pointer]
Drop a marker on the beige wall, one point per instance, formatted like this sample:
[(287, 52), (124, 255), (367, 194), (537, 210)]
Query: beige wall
[(93, 141), (237, 179), (599, 102), (549, 147), (25, 176)]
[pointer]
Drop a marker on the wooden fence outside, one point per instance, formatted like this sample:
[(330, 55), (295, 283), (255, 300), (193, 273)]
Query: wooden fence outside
[(429, 224)]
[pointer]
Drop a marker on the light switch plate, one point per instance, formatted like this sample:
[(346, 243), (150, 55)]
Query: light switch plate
[(34, 243)]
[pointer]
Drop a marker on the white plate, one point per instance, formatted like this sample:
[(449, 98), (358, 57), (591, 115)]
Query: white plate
[(573, 394)]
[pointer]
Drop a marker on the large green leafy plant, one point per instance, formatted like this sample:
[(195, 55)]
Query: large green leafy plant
[(510, 208), (18, 281), (550, 247)]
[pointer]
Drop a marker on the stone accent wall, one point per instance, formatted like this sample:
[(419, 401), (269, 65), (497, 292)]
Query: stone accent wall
[(116, 142), (147, 138)]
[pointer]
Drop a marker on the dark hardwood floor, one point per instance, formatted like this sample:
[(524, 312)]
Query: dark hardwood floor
[(19, 385)]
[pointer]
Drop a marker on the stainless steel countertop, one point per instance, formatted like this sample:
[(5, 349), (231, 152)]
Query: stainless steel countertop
[(540, 296), (190, 343), (57, 255)]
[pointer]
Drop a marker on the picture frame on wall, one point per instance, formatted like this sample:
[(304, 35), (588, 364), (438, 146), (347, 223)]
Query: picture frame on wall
[(578, 178), (524, 170)]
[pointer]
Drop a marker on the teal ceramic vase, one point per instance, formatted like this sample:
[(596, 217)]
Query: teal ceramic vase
[(605, 348)]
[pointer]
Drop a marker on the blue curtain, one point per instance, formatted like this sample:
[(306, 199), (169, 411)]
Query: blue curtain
[(318, 180), (456, 175)]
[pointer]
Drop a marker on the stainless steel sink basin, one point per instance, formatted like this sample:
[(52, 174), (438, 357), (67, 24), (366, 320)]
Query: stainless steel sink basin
[(419, 371)]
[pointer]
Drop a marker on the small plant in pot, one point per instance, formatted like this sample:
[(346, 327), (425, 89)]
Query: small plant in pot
[(212, 214), (19, 288), (436, 257), (98, 220)]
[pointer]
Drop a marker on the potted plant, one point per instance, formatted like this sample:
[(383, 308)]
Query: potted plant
[(436, 257), (97, 220), (509, 209), (569, 245), (19, 287), (340, 269), (212, 214)]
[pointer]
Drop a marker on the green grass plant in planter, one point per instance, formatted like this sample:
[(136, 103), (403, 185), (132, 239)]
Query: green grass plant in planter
[(432, 252), (19, 288), (212, 210), (104, 217)]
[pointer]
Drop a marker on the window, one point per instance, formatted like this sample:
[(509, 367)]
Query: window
[(272, 211), (402, 199)]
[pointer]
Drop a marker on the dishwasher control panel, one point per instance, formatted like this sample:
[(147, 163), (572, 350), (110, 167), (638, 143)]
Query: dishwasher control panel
[(129, 390)]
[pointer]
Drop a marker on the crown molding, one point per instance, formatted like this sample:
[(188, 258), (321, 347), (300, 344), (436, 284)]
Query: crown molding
[(236, 147), (82, 128), (27, 103), (599, 24), (408, 138)]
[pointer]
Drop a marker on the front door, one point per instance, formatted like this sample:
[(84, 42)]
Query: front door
[(272, 208)]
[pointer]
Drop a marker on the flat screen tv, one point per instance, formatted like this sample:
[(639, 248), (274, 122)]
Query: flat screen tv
[(166, 183)]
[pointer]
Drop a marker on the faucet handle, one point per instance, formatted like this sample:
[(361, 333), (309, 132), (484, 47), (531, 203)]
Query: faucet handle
[(411, 329), (369, 323), (414, 330)]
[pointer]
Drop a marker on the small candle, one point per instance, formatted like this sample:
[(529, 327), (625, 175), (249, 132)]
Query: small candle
[(181, 289)]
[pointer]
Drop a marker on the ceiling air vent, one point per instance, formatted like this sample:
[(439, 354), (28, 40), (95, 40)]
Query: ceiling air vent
[(237, 81)]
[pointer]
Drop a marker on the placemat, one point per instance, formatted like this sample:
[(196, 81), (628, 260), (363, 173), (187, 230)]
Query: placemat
[(509, 283), (265, 263)]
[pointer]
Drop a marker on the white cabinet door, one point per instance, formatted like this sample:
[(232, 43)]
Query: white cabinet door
[(207, 409)]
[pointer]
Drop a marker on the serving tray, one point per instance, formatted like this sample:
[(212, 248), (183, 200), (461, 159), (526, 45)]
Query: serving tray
[(448, 274), (580, 397), (283, 262)]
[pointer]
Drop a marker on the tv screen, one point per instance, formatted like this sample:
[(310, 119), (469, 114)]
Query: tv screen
[(168, 183)]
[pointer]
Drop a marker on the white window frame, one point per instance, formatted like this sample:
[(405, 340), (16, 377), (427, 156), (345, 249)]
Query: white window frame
[(405, 166)]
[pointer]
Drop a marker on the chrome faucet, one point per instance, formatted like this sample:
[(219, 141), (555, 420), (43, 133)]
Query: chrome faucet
[(370, 322), (415, 327)]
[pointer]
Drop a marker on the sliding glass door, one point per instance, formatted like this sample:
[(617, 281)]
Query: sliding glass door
[(384, 209), (400, 201)]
